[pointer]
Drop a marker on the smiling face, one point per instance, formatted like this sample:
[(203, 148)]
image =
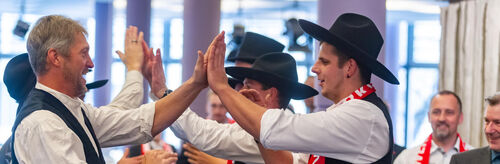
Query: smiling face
[(77, 64), (444, 116), (492, 126), (330, 74)]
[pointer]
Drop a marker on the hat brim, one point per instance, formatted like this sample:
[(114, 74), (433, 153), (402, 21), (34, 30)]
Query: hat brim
[(96, 84), (321, 34), (233, 82), (291, 88)]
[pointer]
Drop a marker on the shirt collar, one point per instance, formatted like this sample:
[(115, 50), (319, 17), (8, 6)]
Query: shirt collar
[(435, 147), (69, 102), (494, 154)]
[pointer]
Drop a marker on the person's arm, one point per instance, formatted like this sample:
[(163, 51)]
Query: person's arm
[(244, 111), (227, 141), (275, 156), (169, 108)]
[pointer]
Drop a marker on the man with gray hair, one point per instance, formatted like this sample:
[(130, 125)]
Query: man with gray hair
[(445, 114), (55, 126), (491, 153)]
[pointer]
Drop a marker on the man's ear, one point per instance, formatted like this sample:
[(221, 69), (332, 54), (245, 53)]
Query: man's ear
[(273, 95), (53, 58), (350, 67)]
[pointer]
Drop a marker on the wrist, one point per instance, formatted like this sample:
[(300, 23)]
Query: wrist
[(131, 67)]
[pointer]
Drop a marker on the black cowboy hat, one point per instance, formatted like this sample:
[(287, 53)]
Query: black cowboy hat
[(358, 37), (19, 77), (277, 69), (253, 46)]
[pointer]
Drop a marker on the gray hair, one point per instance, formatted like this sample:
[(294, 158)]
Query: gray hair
[(493, 100), (52, 31)]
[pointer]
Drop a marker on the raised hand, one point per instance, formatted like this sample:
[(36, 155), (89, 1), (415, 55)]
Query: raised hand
[(153, 71), (200, 69), (134, 56), (216, 73)]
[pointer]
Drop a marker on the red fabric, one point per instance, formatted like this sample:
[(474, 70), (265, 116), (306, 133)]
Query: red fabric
[(425, 150), (360, 93)]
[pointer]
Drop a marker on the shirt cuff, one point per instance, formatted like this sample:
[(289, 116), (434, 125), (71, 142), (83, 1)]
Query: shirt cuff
[(133, 74)]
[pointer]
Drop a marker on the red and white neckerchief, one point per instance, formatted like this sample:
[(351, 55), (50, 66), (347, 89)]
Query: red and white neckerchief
[(360, 93), (425, 150)]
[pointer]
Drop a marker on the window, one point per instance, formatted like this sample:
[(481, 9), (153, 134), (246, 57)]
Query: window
[(417, 39)]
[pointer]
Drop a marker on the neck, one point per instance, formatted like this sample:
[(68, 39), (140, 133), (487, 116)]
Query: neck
[(348, 87), (56, 82), (445, 143)]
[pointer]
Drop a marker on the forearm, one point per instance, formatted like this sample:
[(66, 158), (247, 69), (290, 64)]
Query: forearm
[(169, 108), (275, 156), (244, 111)]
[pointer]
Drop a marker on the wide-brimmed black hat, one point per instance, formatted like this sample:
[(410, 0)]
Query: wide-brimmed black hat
[(278, 70), (19, 77), (253, 46), (358, 37)]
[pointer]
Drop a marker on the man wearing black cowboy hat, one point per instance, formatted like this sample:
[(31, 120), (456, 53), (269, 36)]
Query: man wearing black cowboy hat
[(272, 81), (357, 129), (253, 46)]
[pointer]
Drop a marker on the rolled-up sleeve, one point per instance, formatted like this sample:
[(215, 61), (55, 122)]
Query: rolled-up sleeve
[(356, 131)]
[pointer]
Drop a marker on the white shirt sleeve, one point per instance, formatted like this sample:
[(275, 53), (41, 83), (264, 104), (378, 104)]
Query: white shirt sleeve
[(114, 127), (131, 94), (355, 131), (227, 141), (40, 138)]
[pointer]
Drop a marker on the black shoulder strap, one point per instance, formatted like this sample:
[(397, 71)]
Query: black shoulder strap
[(41, 100)]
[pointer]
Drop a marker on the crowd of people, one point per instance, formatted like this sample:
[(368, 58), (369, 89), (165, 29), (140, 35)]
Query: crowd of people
[(54, 125)]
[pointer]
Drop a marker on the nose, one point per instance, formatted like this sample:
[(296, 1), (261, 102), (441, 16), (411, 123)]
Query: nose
[(89, 63), (315, 68), (441, 116), (488, 128)]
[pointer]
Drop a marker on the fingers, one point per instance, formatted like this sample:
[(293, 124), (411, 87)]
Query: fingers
[(158, 55), (126, 153), (120, 54)]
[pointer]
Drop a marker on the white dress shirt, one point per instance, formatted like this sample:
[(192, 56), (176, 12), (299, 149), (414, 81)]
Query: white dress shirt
[(227, 141), (437, 154), (355, 131), (43, 137)]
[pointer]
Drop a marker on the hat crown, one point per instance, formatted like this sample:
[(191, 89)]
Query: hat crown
[(279, 64), (360, 31), (255, 45)]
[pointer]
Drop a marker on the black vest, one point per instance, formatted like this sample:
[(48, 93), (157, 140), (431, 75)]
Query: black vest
[(41, 100), (387, 158)]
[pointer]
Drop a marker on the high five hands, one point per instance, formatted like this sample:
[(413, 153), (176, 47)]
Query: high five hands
[(209, 69)]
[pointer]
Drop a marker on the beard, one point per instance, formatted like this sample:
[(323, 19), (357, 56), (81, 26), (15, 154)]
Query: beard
[(75, 79), (442, 134)]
